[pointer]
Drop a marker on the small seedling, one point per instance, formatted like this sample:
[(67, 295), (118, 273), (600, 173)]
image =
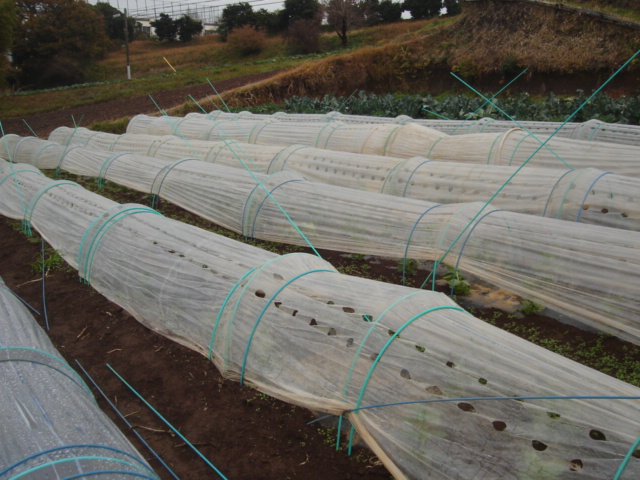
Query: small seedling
[(457, 282), (409, 265), (52, 262), (529, 307), (328, 436)]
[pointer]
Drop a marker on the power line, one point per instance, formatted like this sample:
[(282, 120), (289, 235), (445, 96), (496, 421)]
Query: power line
[(178, 8)]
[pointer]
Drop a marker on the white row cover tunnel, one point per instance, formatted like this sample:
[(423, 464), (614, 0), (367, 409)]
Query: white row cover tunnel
[(590, 131), (300, 331), (574, 269), (586, 195), (513, 147), (50, 425)]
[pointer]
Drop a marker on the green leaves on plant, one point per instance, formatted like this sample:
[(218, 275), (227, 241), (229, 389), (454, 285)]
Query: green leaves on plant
[(457, 282), (529, 307), (459, 107), (52, 262)]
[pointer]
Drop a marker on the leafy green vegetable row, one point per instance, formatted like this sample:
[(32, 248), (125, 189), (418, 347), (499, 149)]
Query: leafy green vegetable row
[(521, 107)]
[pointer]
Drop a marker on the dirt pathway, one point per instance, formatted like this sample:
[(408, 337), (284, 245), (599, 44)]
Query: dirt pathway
[(44, 123)]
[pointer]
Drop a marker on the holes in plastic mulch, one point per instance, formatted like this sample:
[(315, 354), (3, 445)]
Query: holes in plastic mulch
[(575, 465), (404, 373), (349, 342), (466, 407), (499, 425), (348, 310), (597, 435), (434, 390), (313, 322), (260, 293), (450, 364), (538, 445)]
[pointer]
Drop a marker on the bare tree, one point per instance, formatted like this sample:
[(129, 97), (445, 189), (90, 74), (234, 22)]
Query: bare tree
[(343, 16)]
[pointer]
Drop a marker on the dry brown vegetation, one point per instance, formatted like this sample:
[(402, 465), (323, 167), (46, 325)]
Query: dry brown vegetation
[(204, 57), (490, 42), (627, 9), (148, 57), (247, 40), (537, 37)]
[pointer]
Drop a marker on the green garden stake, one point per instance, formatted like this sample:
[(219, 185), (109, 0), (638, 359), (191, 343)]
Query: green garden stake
[(436, 114), (221, 99), (30, 129)]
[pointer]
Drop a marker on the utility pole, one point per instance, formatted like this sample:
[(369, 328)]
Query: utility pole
[(126, 43)]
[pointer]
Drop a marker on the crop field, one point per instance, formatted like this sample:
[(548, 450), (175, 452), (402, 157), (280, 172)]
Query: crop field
[(403, 259), (362, 265)]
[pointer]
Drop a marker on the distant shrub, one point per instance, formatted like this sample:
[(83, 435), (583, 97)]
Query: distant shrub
[(166, 28), (247, 40), (303, 36), (5, 71), (62, 69), (511, 66), (188, 27)]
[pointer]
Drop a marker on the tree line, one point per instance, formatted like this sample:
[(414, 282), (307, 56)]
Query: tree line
[(341, 15), (49, 43)]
